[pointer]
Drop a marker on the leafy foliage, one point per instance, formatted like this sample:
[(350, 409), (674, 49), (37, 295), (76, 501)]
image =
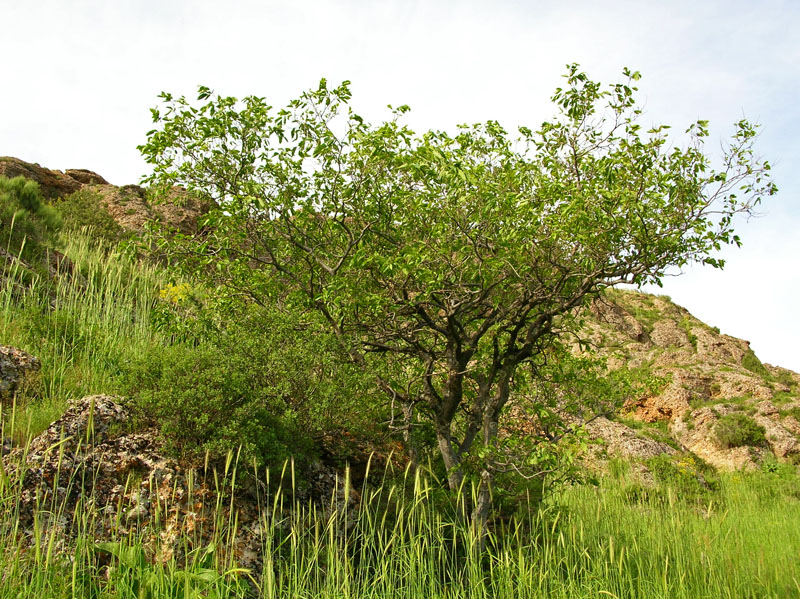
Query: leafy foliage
[(265, 386), (204, 400)]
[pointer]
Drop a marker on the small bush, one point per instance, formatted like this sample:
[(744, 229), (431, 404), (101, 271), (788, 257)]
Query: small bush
[(738, 429), (753, 364), (204, 399), (692, 478), (27, 224), (264, 383), (84, 208)]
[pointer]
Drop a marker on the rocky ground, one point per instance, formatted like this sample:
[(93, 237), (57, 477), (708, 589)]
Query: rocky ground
[(91, 458), (88, 474)]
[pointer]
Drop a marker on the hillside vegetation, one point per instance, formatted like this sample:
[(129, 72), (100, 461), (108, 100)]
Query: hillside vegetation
[(215, 462)]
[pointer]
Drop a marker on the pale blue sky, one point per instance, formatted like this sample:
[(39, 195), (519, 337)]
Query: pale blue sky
[(79, 77)]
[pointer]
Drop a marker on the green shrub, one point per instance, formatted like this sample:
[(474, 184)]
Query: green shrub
[(84, 208), (686, 325), (204, 399), (753, 364), (794, 412), (738, 429), (264, 383), (27, 224), (692, 478)]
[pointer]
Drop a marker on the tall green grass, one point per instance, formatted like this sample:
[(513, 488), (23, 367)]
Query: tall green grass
[(82, 325), (587, 541)]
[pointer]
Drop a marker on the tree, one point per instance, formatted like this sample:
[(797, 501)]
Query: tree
[(457, 258)]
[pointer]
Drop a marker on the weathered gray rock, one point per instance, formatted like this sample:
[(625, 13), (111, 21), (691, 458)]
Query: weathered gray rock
[(86, 464), (667, 333), (624, 441), (619, 318), (15, 366), (695, 432)]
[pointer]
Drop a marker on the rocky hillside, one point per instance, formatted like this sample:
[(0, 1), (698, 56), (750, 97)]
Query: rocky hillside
[(129, 205), (717, 400)]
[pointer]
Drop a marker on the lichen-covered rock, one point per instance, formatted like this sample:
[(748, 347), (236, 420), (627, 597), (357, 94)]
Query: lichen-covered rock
[(181, 210), (695, 432), (86, 470), (667, 333), (739, 384), (623, 441), (15, 366), (619, 318), (715, 348), (674, 400), (83, 464), (706, 373), (782, 442)]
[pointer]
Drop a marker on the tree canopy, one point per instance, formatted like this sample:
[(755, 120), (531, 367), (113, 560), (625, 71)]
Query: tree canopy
[(457, 257)]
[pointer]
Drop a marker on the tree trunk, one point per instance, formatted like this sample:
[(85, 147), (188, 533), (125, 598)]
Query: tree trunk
[(411, 447), (483, 506), (455, 476)]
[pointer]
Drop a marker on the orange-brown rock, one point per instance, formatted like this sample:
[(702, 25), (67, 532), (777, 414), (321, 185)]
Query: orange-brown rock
[(674, 401)]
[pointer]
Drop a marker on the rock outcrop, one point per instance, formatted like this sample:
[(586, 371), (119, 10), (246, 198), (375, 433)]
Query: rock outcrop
[(128, 205), (87, 462), (83, 463), (53, 184), (623, 441)]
